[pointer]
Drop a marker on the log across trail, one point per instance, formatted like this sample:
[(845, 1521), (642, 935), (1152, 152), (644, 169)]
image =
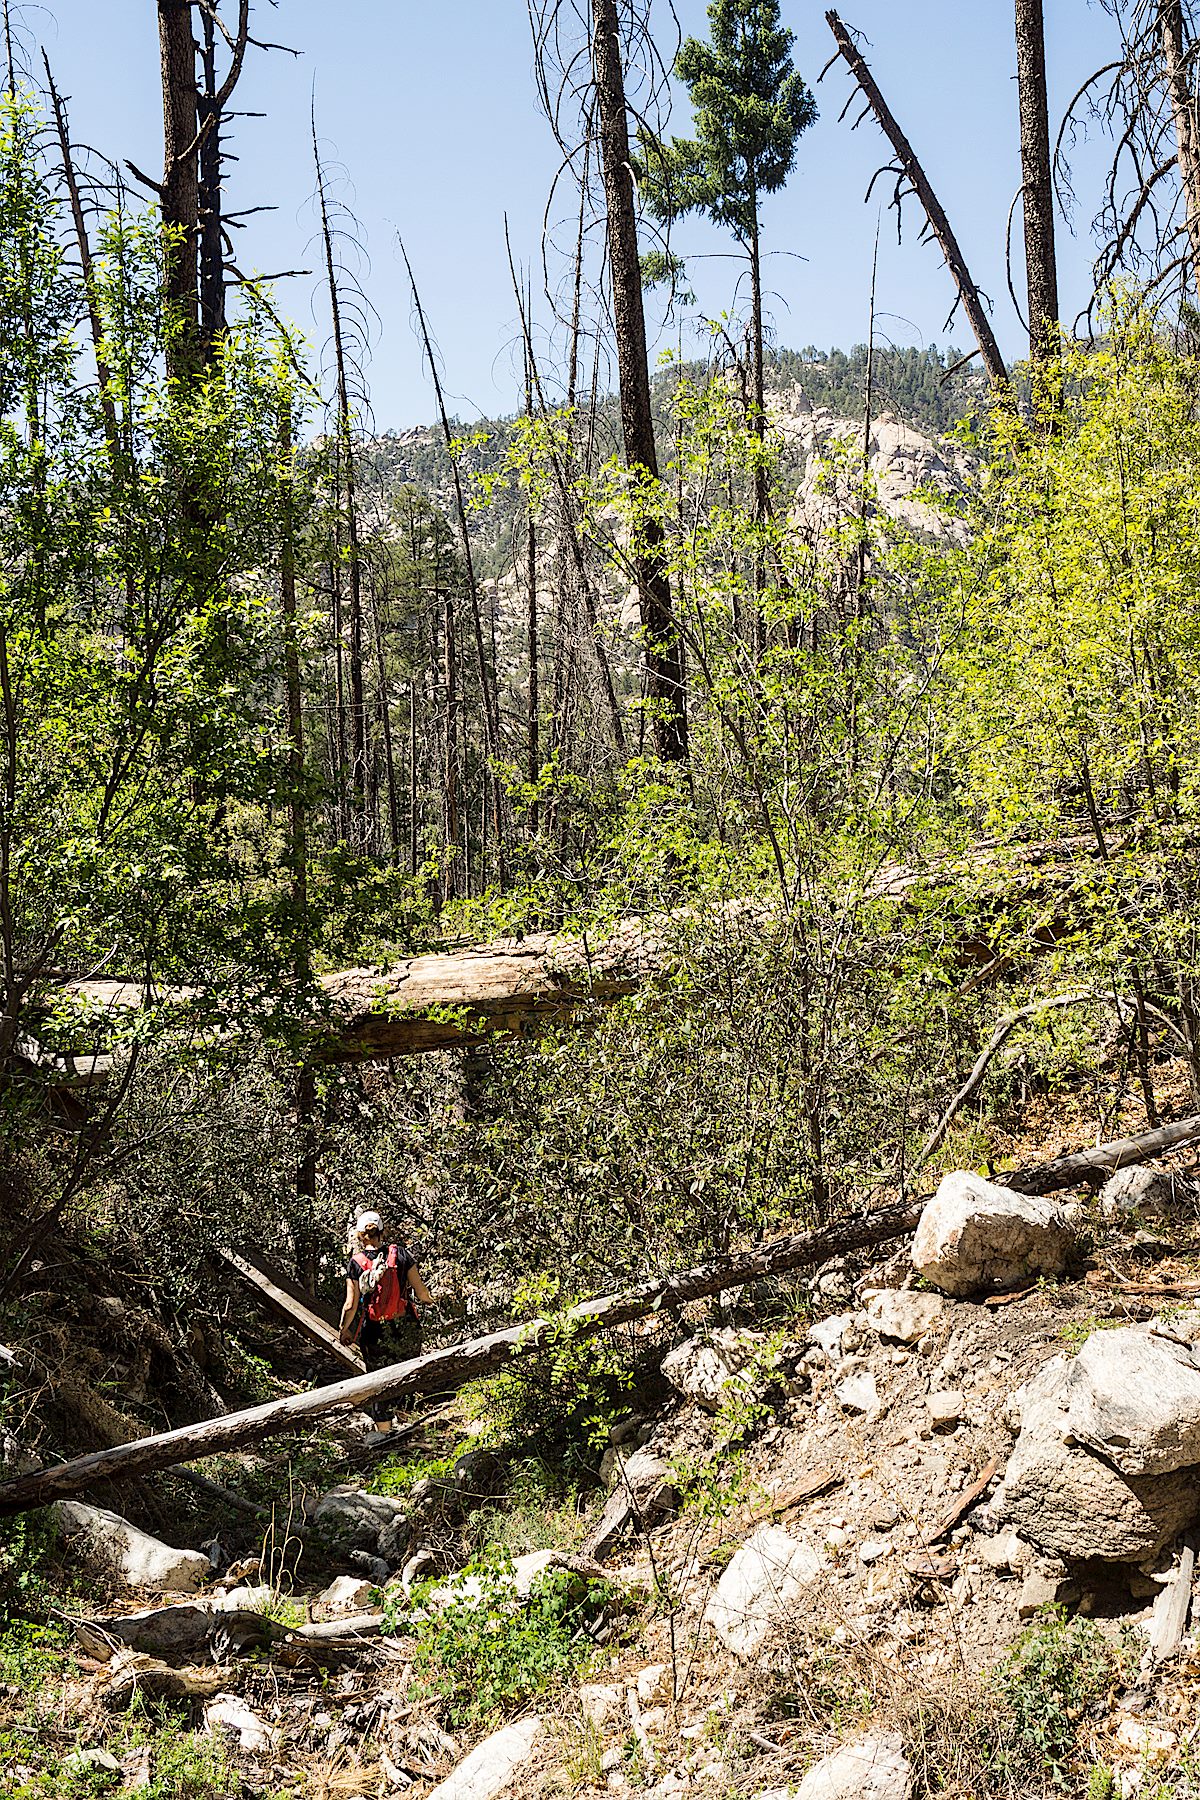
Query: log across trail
[(448, 1368), (442, 1370)]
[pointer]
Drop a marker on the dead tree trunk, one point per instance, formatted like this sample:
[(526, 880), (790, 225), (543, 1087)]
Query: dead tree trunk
[(1041, 269), (1183, 112), (356, 795), (912, 172), (441, 1371), (487, 683), (189, 121), (211, 227), (108, 411), (663, 650), (180, 190), (1095, 1166)]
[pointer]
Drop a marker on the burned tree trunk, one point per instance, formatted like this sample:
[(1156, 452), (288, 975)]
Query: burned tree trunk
[(663, 652), (211, 228), (1041, 268), (1183, 112), (180, 190), (912, 172)]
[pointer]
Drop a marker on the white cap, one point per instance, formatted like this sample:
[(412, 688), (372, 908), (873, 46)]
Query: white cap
[(368, 1221)]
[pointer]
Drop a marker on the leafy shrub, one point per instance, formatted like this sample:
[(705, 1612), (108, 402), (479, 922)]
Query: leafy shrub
[(559, 1405), (489, 1654), (1054, 1673)]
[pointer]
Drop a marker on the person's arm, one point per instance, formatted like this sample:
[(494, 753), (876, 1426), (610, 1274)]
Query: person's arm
[(349, 1312), (417, 1286)]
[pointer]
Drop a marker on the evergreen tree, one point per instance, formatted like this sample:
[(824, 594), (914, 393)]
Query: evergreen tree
[(751, 106)]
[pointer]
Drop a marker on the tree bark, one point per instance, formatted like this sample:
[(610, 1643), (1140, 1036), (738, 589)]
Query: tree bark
[(444, 1370), (180, 192), (663, 650), (211, 230), (939, 224), (1041, 269), (1183, 110)]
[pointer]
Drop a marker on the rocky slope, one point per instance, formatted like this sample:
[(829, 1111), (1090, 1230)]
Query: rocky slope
[(823, 1536)]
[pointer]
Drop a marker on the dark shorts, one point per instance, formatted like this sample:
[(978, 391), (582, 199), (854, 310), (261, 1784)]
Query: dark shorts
[(394, 1342)]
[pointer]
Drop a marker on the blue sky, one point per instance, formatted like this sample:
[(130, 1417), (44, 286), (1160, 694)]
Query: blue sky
[(428, 110)]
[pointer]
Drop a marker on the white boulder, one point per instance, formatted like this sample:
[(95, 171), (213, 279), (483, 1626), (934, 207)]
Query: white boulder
[(140, 1560), (871, 1768), (702, 1368), (1149, 1193), (974, 1237), (1134, 1396), (349, 1519), (346, 1594), (1069, 1501), (858, 1393), (904, 1314), (762, 1581), (491, 1766)]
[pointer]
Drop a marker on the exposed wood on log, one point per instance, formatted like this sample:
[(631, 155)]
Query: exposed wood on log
[(910, 170), (296, 1308), (1095, 1166), (1169, 1618), (443, 1370)]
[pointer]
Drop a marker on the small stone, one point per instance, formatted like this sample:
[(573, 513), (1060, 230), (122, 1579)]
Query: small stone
[(873, 1768), (599, 1703), (858, 1393), (945, 1408), (1005, 1551), (1037, 1590), (827, 1333), (1149, 1743), (873, 1550), (905, 1316), (649, 1681)]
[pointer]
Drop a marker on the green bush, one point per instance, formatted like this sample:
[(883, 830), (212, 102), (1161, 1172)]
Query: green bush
[(1054, 1673), (490, 1653)]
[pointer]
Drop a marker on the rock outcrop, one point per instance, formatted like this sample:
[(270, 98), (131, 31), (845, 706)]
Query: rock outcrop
[(1069, 1500)]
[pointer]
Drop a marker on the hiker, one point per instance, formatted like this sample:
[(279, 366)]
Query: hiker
[(379, 1311)]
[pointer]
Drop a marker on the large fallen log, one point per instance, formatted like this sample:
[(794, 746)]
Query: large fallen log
[(1095, 1166), (443, 1370), (429, 1002)]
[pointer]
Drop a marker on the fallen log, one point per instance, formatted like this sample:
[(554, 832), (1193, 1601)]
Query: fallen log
[(301, 1311), (1096, 1165), (448, 1368)]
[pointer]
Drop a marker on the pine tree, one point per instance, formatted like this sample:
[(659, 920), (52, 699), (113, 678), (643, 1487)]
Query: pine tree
[(751, 106)]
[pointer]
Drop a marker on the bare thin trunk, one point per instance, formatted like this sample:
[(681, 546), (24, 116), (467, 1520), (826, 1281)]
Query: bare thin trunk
[(356, 795), (939, 224), (1183, 110), (663, 650)]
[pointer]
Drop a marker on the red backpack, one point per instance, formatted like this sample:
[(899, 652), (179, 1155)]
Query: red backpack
[(382, 1285)]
